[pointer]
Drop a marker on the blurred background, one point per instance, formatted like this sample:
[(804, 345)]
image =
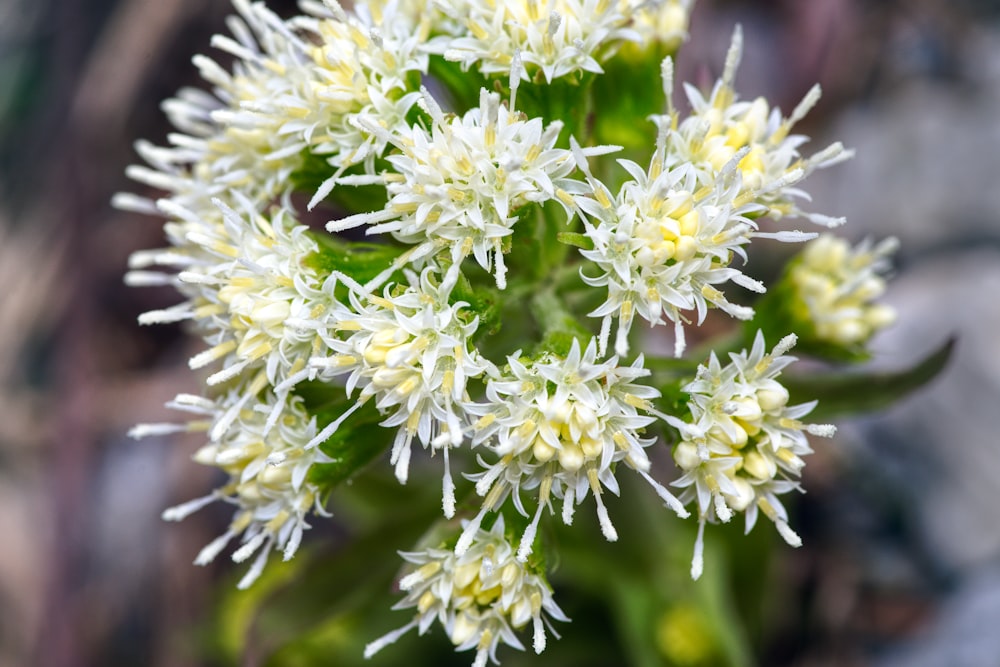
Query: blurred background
[(901, 563)]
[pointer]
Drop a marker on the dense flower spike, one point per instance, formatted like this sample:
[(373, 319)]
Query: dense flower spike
[(744, 444), (313, 342), (481, 598), (559, 425), (838, 284), (267, 471)]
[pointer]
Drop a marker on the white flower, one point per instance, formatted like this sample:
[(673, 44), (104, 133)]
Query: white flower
[(560, 426), (296, 86), (362, 71), (721, 127), (459, 184), (663, 21), (480, 598), (664, 243), (246, 280), (838, 285), (267, 471), (410, 350), (216, 149), (744, 444), (555, 37)]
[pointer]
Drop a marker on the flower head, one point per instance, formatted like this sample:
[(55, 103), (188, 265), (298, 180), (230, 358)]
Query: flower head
[(247, 280), (267, 468), (460, 183), (660, 21), (410, 350), (555, 37), (481, 598), (744, 444), (837, 285), (664, 243), (561, 425), (298, 86), (722, 128)]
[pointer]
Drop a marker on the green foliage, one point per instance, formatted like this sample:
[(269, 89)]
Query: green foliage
[(843, 393), (315, 170), (360, 261)]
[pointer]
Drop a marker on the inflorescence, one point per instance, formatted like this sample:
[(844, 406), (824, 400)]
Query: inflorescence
[(457, 135)]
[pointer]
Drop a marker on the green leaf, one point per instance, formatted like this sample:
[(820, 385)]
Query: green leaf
[(463, 86), (361, 261), (576, 240), (848, 393), (358, 442), (566, 99), (560, 328), (484, 300), (313, 172)]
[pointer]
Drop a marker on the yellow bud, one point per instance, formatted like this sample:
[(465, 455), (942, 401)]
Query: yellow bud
[(571, 457), (686, 456), (772, 399), (759, 467), (542, 450)]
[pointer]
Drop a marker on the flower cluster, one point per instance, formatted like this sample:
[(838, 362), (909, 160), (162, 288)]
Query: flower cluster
[(743, 444), (554, 38), (559, 425), (722, 128), (837, 285), (410, 351), (459, 183), (507, 243), (480, 597), (268, 477)]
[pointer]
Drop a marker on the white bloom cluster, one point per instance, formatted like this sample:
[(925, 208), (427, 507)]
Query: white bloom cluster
[(663, 243), (245, 278), (369, 101), (460, 183), (298, 85), (671, 234), (410, 350), (480, 597), (838, 284), (660, 21), (267, 470), (560, 426), (744, 444), (722, 128), (553, 37)]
